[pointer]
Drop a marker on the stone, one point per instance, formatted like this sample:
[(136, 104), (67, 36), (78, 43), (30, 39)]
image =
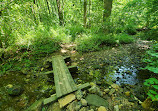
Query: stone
[(127, 93), (99, 83), (121, 90), (92, 84), (54, 107), (83, 109), (100, 93), (116, 108), (74, 106), (111, 91), (129, 72), (93, 90), (14, 90), (106, 90), (28, 76), (120, 106), (9, 86), (93, 107), (27, 80), (102, 108), (115, 86), (91, 110), (147, 103), (79, 94), (95, 100), (66, 100), (83, 102)]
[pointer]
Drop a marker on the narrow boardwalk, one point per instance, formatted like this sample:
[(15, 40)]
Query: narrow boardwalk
[(63, 80)]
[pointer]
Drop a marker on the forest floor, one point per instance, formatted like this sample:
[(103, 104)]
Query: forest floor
[(114, 74)]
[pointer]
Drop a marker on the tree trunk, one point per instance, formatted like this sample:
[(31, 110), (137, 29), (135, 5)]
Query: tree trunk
[(48, 6), (60, 14), (33, 13), (0, 43), (107, 9), (85, 13), (89, 13)]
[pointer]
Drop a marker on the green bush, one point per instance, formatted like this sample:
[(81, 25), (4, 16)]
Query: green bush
[(87, 44), (45, 42), (124, 38), (152, 84), (151, 35), (94, 42), (108, 40), (75, 30), (151, 59)]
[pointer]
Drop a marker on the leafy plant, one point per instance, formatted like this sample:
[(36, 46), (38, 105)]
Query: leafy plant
[(152, 65), (152, 83), (124, 38), (152, 59)]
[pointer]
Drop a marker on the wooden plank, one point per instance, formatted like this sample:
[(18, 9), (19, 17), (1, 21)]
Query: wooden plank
[(51, 99), (56, 79), (45, 73), (83, 86), (69, 77), (63, 80), (36, 106), (66, 100), (59, 79)]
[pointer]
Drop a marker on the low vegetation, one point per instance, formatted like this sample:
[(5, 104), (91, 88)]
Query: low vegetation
[(32, 30)]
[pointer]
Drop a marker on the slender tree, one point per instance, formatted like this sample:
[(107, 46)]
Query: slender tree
[(107, 9), (48, 6), (60, 14), (89, 13), (85, 13)]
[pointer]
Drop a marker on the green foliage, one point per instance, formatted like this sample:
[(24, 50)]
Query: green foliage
[(94, 42), (95, 74), (124, 38), (152, 84), (44, 42), (151, 35), (75, 30), (152, 59), (87, 44), (152, 65)]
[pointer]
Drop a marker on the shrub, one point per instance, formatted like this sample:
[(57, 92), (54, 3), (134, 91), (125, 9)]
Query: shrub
[(87, 44), (152, 84), (151, 35), (45, 42), (107, 39), (151, 59), (93, 42), (75, 30), (124, 38)]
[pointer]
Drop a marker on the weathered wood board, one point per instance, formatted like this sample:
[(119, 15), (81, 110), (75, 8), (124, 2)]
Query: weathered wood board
[(63, 80)]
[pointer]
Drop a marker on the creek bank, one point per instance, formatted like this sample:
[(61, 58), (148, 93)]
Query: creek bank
[(88, 100)]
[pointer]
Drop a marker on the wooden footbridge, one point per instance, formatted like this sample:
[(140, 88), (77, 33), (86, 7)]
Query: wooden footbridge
[(64, 82)]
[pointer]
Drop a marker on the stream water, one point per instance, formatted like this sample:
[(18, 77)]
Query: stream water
[(124, 75), (114, 64)]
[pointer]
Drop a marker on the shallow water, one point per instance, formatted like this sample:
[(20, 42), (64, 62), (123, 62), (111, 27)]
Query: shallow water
[(124, 75)]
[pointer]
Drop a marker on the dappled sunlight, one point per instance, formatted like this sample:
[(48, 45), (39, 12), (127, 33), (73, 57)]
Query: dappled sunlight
[(108, 49)]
